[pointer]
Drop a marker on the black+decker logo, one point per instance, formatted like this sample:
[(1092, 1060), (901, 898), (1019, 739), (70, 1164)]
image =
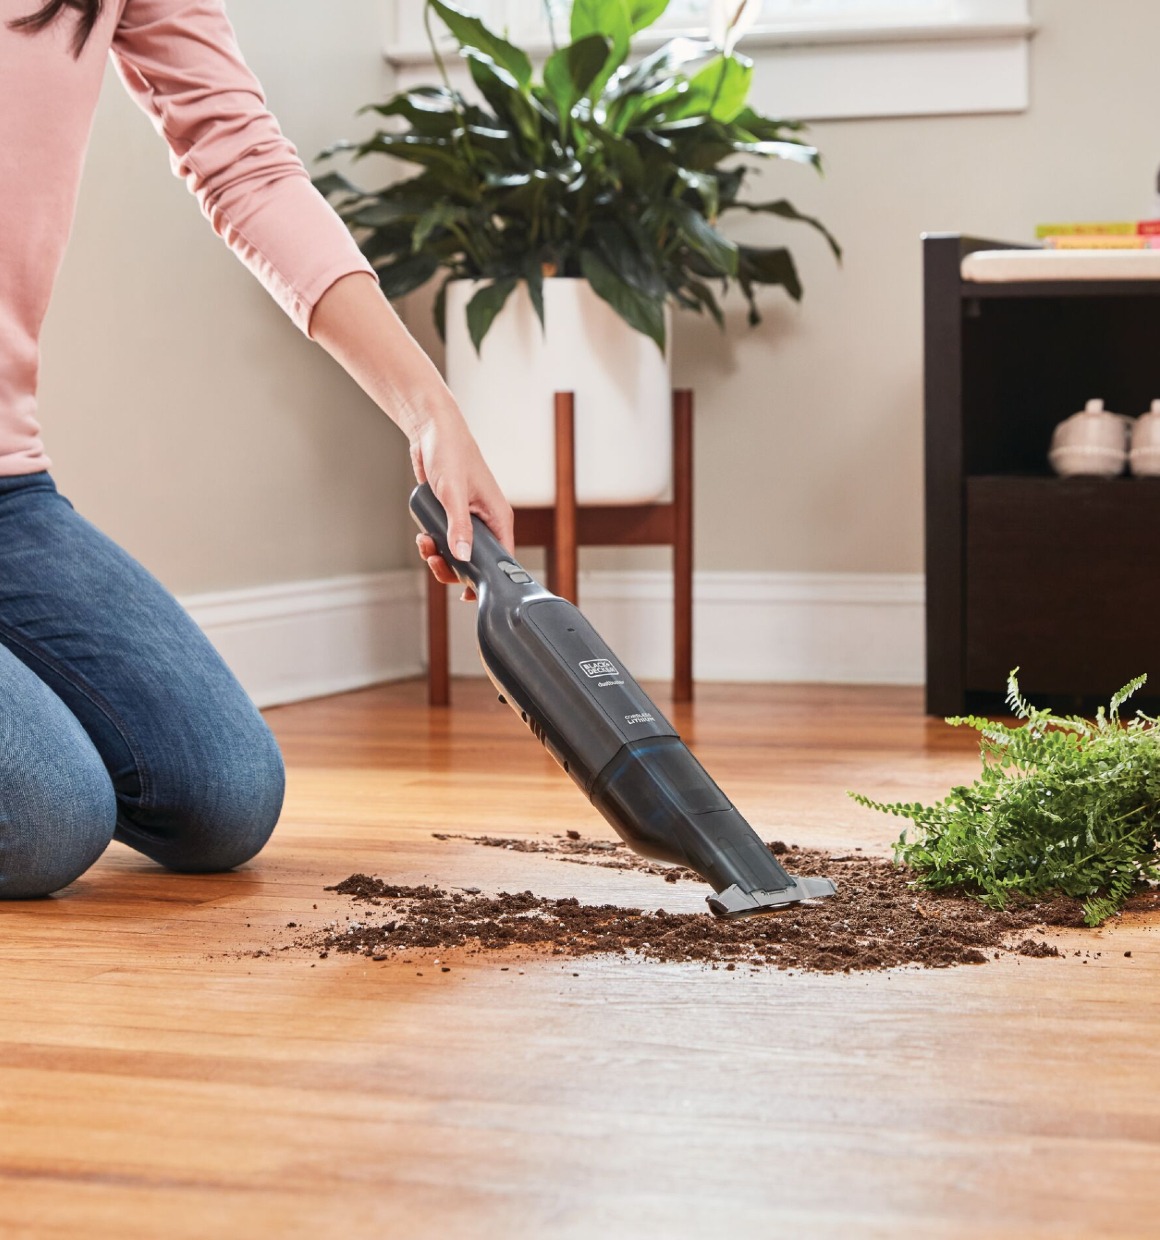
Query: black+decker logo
[(595, 668)]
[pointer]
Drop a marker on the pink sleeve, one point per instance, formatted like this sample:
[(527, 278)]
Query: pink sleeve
[(180, 60)]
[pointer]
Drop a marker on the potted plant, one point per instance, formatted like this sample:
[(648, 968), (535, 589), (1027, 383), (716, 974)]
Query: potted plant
[(564, 214)]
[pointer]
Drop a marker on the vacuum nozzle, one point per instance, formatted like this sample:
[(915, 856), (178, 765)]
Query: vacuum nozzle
[(663, 804), (734, 902)]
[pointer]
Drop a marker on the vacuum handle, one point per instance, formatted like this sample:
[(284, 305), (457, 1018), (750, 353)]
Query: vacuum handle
[(486, 550)]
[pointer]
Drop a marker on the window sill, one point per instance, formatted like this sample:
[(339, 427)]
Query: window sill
[(839, 72)]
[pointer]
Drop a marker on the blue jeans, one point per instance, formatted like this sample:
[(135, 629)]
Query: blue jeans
[(118, 719)]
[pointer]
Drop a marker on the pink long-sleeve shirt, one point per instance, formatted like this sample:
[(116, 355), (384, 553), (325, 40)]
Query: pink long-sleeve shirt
[(180, 61)]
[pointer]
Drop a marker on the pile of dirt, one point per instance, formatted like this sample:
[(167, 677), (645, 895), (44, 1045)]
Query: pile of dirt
[(877, 920)]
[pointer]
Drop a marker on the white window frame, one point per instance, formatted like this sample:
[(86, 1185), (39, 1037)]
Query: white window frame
[(827, 59)]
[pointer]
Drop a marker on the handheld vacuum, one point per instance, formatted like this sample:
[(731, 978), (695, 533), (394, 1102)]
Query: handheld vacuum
[(552, 668)]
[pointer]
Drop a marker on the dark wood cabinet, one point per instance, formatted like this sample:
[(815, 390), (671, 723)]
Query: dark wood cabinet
[(1060, 577)]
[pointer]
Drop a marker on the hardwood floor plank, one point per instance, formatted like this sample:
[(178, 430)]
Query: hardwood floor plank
[(155, 1078)]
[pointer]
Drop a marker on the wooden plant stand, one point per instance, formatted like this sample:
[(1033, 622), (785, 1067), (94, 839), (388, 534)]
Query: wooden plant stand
[(567, 526)]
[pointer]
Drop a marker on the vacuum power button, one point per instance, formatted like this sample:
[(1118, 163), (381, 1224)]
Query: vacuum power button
[(514, 572)]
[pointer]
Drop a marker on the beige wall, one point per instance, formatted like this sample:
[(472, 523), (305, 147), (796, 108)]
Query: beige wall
[(194, 423), (811, 427), (184, 413)]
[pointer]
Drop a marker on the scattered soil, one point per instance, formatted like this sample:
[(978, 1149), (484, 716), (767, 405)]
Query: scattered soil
[(877, 920), (609, 854)]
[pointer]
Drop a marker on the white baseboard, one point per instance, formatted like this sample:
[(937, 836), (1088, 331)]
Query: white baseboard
[(835, 628), (307, 639)]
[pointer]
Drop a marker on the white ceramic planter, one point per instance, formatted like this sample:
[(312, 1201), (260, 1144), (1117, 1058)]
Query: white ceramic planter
[(622, 385)]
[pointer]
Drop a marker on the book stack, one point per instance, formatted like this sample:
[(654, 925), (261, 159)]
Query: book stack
[(1111, 235)]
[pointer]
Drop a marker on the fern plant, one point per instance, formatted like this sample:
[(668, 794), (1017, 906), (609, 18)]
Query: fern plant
[(1063, 805), (600, 168)]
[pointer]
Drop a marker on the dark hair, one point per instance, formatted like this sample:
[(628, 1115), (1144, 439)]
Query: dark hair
[(89, 11)]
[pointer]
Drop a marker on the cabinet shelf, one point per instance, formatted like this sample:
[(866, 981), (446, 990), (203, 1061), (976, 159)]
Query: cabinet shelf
[(1054, 575), (1055, 289), (1078, 484)]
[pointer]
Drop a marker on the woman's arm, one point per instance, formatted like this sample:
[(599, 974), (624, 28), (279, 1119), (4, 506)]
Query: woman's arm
[(355, 324), (180, 61)]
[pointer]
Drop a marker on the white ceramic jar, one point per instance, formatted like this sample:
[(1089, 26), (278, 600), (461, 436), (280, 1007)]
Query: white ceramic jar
[(621, 380), (1144, 456), (1093, 443)]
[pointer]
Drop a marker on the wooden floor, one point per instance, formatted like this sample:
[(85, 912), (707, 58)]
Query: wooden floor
[(156, 1081)]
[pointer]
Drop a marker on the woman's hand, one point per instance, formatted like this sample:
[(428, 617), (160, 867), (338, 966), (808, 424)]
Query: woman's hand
[(355, 324), (444, 454)]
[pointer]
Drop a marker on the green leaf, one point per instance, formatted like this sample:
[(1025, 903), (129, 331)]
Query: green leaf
[(719, 90), (389, 242), (798, 152), (381, 213), (625, 250), (414, 149), (473, 36), (406, 274), (436, 114), (484, 306), (788, 211), (613, 156), (643, 313), (336, 183), (703, 237), (534, 275), (441, 216), (767, 128), (756, 266), (1122, 695), (570, 72), (428, 100), (439, 310), (655, 72), (610, 18), (729, 183), (507, 180), (704, 185), (607, 17), (642, 13), (341, 147), (502, 92), (699, 296), (769, 267)]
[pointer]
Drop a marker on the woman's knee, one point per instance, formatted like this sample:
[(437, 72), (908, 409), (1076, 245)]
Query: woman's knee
[(216, 806), (57, 815)]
